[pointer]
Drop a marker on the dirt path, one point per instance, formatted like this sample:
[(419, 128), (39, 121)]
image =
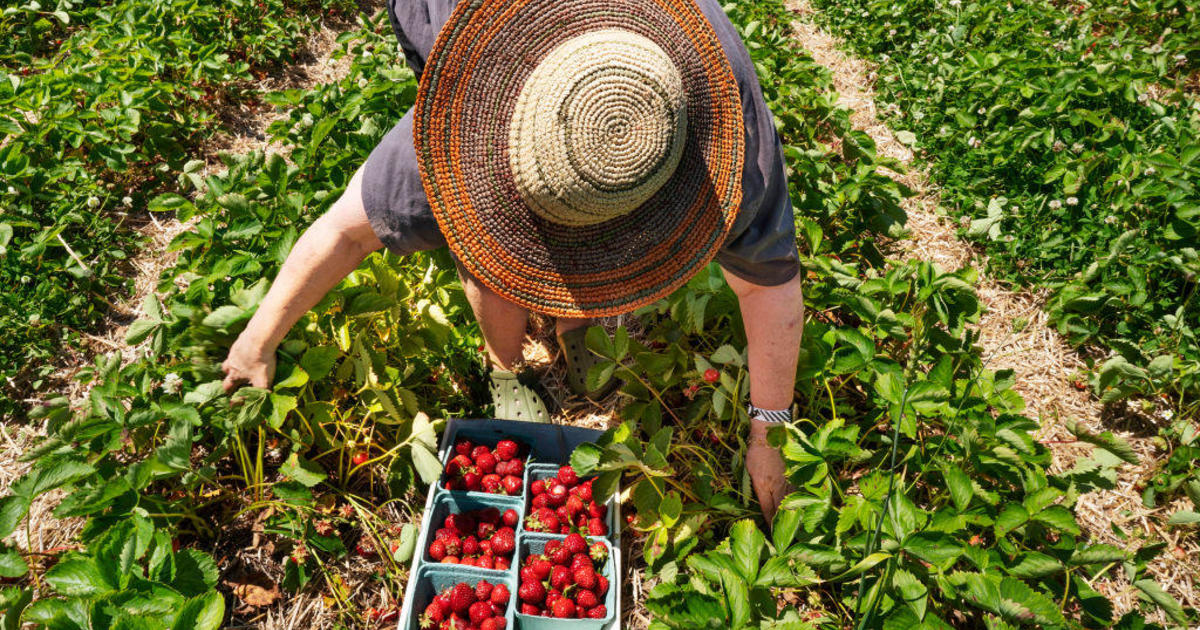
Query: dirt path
[(1015, 335)]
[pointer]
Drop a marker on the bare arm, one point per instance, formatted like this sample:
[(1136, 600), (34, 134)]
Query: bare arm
[(774, 321), (328, 251)]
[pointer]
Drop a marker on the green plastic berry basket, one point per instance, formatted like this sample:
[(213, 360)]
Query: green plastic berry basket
[(447, 503), (533, 544), (546, 471), (434, 578), (481, 432)]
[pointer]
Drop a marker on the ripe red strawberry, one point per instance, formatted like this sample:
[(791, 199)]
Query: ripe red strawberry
[(597, 510), (599, 612), (584, 491), (516, 467), (561, 556), (567, 476), (486, 561), (433, 615), (360, 458), (601, 585), (531, 592), (470, 546), (450, 560), (512, 484), (480, 450), (453, 545), (596, 527), (585, 577), (530, 609), (537, 486), (586, 599), (557, 493), (564, 608), (483, 590), (486, 463), (575, 544), (552, 597), (491, 483), (502, 564), (499, 595), (502, 468), (443, 600), (492, 623), (463, 463), (461, 597), (480, 611), (510, 517), (485, 531), (365, 548), (504, 541), (573, 506), (529, 575), (598, 552), (540, 501), (560, 577), (506, 449), (581, 560), (437, 550), (463, 447), (541, 567), (488, 515), (461, 523), (711, 375), (471, 480)]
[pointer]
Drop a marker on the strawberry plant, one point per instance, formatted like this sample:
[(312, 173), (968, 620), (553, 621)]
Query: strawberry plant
[(921, 497)]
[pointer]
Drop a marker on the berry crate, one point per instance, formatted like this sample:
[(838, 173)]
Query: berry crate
[(454, 503), (547, 471), (433, 578), (533, 544), (550, 446)]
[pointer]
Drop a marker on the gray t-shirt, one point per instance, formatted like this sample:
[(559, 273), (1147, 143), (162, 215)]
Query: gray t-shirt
[(760, 247)]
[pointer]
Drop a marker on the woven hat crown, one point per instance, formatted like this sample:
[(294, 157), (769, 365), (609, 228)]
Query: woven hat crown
[(599, 126)]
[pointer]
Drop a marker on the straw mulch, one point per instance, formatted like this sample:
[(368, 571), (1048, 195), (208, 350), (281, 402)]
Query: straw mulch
[(1015, 335)]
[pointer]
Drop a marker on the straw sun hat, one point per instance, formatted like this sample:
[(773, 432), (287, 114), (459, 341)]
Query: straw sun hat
[(582, 157)]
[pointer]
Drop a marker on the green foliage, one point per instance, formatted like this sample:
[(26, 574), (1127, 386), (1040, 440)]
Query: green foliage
[(920, 492), (1067, 138), (93, 126)]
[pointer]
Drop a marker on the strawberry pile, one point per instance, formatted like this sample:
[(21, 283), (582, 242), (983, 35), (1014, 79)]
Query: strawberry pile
[(479, 538), (462, 607), (562, 504), (562, 581), (481, 469)]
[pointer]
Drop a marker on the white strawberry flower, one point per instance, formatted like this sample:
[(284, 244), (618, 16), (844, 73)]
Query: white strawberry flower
[(974, 142), (172, 383), (92, 201), (1072, 201), (127, 200)]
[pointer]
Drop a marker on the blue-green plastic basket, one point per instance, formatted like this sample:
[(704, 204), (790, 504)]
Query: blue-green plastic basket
[(546, 471), (454, 503), (432, 578), (533, 544)]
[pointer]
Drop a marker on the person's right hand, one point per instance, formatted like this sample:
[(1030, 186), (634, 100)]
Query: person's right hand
[(248, 363)]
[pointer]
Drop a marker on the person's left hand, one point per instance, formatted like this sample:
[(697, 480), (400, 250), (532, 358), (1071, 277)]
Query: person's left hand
[(768, 473)]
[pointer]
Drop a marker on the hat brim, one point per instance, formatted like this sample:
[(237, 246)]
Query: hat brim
[(468, 90)]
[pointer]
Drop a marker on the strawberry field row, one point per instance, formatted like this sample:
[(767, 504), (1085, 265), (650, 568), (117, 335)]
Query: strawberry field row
[(1066, 137), (922, 499), (92, 128)]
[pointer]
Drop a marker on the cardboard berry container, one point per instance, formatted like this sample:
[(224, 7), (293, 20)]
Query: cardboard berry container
[(453, 503), (433, 578), (533, 544), (546, 471), (550, 446)]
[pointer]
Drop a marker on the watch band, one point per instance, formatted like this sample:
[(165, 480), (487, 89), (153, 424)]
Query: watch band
[(769, 415)]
